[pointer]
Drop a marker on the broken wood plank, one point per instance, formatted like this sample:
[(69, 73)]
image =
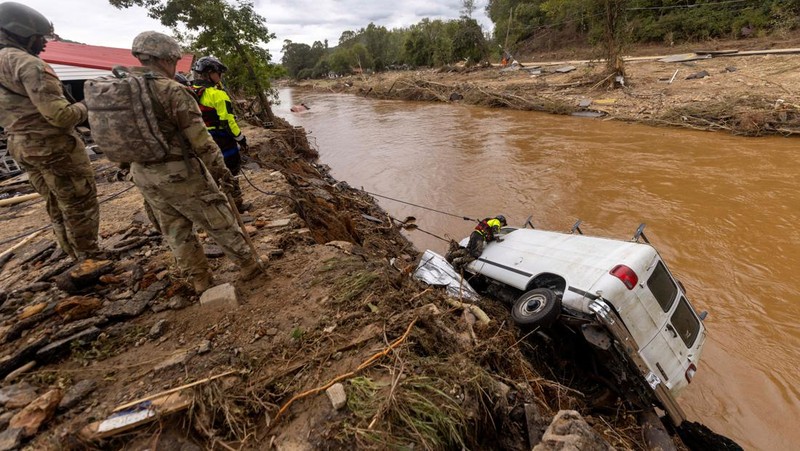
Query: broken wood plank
[(137, 415), (18, 199)]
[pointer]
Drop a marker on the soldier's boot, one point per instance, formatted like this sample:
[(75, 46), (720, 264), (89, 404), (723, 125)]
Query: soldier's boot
[(251, 270), (243, 206), (202, 282)]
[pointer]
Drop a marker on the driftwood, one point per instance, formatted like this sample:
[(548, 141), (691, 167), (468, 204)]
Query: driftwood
[(18, 199), (25, 241)]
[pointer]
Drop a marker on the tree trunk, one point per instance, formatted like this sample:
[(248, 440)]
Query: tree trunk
[(259, 88)]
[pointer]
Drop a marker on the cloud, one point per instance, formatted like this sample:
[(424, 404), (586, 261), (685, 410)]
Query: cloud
[(97, 22)]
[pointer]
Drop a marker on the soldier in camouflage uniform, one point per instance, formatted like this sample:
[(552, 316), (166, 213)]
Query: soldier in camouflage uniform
[(40, 123), (183, 191)]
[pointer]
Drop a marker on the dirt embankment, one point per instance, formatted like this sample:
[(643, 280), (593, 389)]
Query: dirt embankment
[(337, 305), (744, 95)]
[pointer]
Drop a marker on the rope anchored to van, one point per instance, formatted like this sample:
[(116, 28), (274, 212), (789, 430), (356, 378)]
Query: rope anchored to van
[(466, 218)]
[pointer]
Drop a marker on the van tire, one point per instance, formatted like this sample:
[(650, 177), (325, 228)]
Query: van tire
[(537, 307)]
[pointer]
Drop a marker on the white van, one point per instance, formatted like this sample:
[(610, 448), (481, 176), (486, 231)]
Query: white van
[(620, 295)]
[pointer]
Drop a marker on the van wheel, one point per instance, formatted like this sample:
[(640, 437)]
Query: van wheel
[(538, 307)]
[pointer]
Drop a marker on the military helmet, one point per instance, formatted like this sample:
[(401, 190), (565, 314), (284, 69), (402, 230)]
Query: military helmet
[(157, 45), (502, 219), (209, 64), (23, 21)]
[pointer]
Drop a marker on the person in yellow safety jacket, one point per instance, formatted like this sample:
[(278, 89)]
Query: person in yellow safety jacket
[(217, 110), (484, 232)]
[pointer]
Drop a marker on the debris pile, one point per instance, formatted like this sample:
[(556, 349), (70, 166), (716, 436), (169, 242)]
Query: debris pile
[(336, 346)]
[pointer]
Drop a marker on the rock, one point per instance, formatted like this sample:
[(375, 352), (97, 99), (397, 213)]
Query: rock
[(204, 347), (90, 270), (278, 223), (569, 431), (10, 439), (17, 395), (120, 295), (37, 287), (111, 279), (337, 395), (5, 418), (271, 332), (456, 96), (536, 424), (178, 302), (213, 251), (178, 359), (60, 347), (158, 329), (77, 307), (221, 295), (31, 418), (78, 326), (31, 310), (247, 219), (20, 371), (76, 394), (23, 354), (135, 306)]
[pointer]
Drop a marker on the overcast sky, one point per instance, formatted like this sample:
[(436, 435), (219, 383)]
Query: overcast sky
[(98, 23)]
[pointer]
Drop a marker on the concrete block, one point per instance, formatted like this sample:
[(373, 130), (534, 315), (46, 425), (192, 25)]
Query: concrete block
[(337, 396), (221, 295)]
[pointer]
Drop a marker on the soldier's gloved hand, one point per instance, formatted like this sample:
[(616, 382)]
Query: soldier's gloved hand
[(226, 183), (242, 141)]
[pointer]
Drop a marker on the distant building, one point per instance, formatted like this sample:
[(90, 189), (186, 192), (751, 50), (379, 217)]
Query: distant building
[(76, 63)]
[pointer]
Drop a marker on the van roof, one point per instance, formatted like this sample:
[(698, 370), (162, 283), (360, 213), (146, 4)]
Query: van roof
[(580, 259)]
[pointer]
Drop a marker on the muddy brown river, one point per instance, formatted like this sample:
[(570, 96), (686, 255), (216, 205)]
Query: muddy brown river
[(723, 211)]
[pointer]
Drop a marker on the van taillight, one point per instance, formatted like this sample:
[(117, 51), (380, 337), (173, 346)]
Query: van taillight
[(690, 372), (626, 275)]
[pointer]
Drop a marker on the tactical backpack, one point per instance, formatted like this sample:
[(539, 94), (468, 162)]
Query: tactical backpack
[(123, 119)]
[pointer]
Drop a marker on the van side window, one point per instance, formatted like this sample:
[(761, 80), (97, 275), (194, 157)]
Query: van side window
[(685, 322), (662, 286)]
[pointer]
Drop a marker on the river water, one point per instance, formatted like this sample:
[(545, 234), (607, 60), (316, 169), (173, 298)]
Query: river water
[(723, 211)]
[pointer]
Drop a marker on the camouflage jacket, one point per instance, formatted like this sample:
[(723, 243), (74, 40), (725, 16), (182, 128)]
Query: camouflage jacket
[(183, 126), (31, 96)]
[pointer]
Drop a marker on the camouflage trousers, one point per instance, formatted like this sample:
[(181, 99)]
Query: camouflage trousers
[(60, 171), (181, 199)]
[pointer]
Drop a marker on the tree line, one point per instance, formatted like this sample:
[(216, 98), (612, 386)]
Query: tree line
[(235, 33), (609, 25), (375, 48)]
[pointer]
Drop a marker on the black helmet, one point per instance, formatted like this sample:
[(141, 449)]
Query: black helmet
[(502, 219), (209, 64), (23, 21), (180, 78)]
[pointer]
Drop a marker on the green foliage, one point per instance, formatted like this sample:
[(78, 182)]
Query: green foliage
[(668, 21), (296, 57), (427, 43), (236, 34)]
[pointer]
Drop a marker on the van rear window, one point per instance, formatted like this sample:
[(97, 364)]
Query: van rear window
[(685, 322), (662, 286)]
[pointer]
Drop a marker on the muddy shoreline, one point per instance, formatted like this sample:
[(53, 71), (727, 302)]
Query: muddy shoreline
[(743, 95)]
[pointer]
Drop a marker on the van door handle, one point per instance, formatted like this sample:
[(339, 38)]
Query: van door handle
[(672, 329)]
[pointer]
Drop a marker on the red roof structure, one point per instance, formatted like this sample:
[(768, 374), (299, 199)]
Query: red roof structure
[(96, 57)]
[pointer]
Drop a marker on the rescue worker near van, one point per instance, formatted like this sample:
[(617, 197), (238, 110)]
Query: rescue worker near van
[(217, 110), (40, 125), (184, 193), (484, 232)]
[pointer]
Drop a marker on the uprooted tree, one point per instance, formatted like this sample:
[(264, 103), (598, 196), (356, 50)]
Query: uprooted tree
[(235, 34)]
